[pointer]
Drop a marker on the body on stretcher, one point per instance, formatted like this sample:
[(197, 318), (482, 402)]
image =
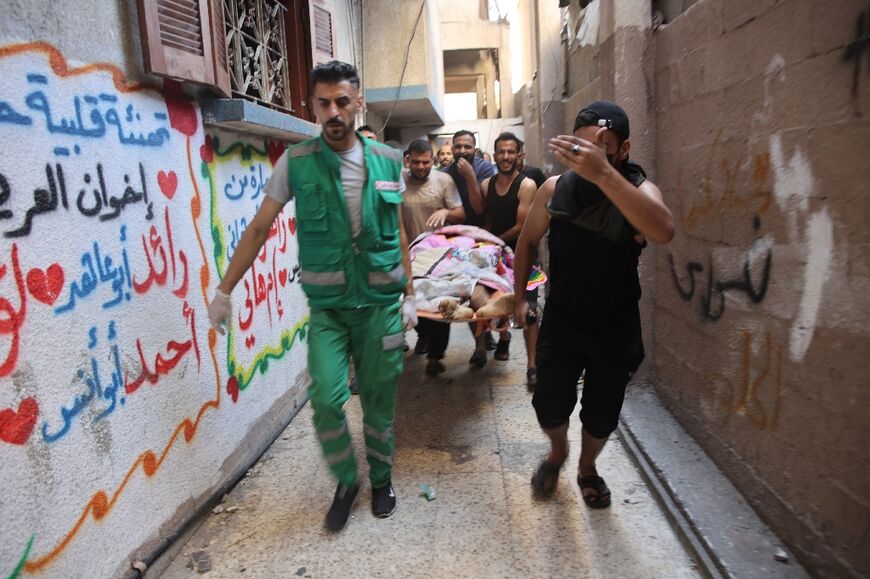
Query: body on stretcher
[(462, 264)]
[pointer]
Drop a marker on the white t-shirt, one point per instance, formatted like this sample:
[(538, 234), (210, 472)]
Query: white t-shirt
[(353, 180)]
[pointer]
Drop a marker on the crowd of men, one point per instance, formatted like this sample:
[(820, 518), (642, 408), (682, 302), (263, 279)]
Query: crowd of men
[(359, 203)]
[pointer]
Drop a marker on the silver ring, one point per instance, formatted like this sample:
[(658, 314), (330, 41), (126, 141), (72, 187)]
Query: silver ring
[(575, 149)]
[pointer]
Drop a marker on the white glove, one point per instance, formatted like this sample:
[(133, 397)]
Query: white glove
[(220, 311), (409, 312)]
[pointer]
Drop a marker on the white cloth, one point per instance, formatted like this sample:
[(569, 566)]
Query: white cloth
[(409, 314)]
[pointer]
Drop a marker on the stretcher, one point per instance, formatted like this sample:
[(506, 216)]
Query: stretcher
[(481, 323)]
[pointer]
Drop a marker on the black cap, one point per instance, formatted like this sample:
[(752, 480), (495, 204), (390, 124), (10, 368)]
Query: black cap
[(611, 113)]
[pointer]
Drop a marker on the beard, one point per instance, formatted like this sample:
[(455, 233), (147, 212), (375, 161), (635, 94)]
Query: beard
[(422, 174), (510, 169), (615, 161), (469, 157), (335, 130)]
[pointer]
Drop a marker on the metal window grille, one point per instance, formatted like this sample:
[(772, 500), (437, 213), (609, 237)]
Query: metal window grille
[(257, 51)]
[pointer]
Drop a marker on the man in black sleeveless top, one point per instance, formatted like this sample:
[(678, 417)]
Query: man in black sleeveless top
[(600, 214), (507, 198)]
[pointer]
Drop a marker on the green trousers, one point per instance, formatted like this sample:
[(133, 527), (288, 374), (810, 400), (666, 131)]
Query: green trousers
[(373, 337)]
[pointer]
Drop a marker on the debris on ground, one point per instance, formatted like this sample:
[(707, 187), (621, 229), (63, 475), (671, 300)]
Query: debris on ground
[(218, 509), (428, 491), (781, 556), (200, 562)]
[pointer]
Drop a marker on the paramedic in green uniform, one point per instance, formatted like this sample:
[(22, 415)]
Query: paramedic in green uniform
[(354, 270)]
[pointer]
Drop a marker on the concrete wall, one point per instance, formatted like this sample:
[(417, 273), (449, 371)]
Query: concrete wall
[(386, 32), (550, 78), (608, 56), (463, 28), (752, 118), (121, 412), (762, 138)]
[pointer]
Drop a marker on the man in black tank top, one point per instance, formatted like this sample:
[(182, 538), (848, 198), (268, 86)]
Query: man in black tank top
[(507, 197), (600, 214)]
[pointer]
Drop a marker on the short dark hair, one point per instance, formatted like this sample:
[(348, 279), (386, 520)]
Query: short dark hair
[(333, 71), (462, 133), (366, 128), (419, 147), (508, 136)]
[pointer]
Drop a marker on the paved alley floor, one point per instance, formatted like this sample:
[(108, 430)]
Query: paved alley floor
[(471, 435)]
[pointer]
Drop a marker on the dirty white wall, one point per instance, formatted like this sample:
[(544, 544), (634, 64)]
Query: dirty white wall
[(121, 412)]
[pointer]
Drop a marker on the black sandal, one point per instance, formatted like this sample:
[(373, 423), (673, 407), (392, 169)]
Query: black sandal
[(545, 480), (531, 379), (601, 499)]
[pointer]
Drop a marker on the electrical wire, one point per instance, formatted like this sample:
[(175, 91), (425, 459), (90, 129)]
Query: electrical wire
[(404, 66)]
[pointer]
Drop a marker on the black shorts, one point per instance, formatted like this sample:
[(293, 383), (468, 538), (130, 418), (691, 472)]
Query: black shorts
[(559, 370)]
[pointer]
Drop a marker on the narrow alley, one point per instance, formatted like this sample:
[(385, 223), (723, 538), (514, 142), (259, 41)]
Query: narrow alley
[(207, 206), (472, 436)]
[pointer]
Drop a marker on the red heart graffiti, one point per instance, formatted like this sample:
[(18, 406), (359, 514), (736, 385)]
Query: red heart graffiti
[(182, 114), (233, 388), (206, 152), (282, 277), (291, 223), (168, 183), (45, 285), (276, 149), (15, 427)]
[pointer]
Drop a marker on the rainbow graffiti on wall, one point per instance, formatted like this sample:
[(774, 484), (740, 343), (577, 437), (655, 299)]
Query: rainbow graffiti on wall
[(118, 214)]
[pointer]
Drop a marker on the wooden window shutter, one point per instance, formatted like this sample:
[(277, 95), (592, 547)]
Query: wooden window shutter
[(322, 32), (219, 44), (177, 40)]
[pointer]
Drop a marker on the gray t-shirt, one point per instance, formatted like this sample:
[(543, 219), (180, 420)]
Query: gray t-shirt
[(353, 180)]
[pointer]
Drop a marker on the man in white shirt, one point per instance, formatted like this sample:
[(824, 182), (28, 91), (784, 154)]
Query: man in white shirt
[(430, 201)]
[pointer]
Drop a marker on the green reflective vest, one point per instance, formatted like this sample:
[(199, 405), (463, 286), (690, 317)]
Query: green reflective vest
[(337, 269)]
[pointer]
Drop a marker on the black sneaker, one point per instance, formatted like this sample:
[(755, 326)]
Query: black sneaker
[(383, 501), (339, 512)]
